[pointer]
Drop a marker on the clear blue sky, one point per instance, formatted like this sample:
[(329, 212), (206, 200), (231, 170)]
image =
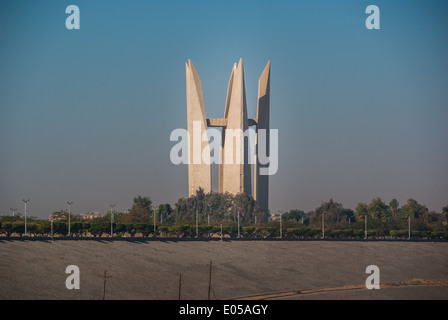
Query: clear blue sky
[(86, 115)]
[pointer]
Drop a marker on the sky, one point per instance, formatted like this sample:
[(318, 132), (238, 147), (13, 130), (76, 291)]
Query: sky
[(86, 115)]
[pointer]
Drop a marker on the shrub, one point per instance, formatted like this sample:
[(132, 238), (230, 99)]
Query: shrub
[(43, 227), (377, 232), (7, 228), (120, 229), (144, 228), (98, 229), (18, 227), (130, 229), (76, 228), (315, 233), (358, 233), (439, 234), (296, 232), (399, 233)]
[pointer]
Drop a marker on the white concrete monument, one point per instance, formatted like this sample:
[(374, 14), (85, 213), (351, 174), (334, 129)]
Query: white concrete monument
[(234, 165)]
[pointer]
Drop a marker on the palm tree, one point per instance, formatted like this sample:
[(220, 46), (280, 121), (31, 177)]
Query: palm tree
[(393, 204)]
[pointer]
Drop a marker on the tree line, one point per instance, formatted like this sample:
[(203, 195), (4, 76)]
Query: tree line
[(217, 214), (378, 214)]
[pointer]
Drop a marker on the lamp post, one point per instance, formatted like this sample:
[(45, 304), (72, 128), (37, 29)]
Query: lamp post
[(365, 226), (323, 225), (409, 227), (111, 220), (52, 229), (281, 232), (26, 230), (69, 213), (154, 216), (238, 212), (197, 222), (13, 211), (161, 216)]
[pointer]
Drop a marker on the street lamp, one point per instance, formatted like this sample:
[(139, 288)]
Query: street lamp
[(161, 216), (365, 226), (111, 220), (323, 225), (13, 211), (26, 201), (281, 232), (409, 227), (238, 211), (197, 222), (154, 215), (69, 207), (52, 228)]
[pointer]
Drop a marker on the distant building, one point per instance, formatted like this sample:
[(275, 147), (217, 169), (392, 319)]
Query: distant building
[(56, 217), (90, 215)]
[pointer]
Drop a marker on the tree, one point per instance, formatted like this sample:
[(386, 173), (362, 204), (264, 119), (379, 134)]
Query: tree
[(393, 205), (334, 214), (139, 213), (165, 211), (199, 202), (445, 212), (218, 205), (142, 202), (413, 209), (360, 211), (378, 210), (181, 208), (17, 217), (294, 214), (431, 217), (247, 208)]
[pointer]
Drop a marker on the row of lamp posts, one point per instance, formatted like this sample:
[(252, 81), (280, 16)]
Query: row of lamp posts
[(197, 222), (323, 225)]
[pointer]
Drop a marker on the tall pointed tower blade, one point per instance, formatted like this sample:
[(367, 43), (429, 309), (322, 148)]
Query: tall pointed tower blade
[(199, 174), (261, 182), (235, 168)]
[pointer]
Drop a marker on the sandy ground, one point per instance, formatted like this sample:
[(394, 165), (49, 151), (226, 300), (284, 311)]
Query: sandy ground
[(150, 270)]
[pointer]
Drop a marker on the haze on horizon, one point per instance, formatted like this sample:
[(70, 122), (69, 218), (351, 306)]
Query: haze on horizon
[(86, 115)]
